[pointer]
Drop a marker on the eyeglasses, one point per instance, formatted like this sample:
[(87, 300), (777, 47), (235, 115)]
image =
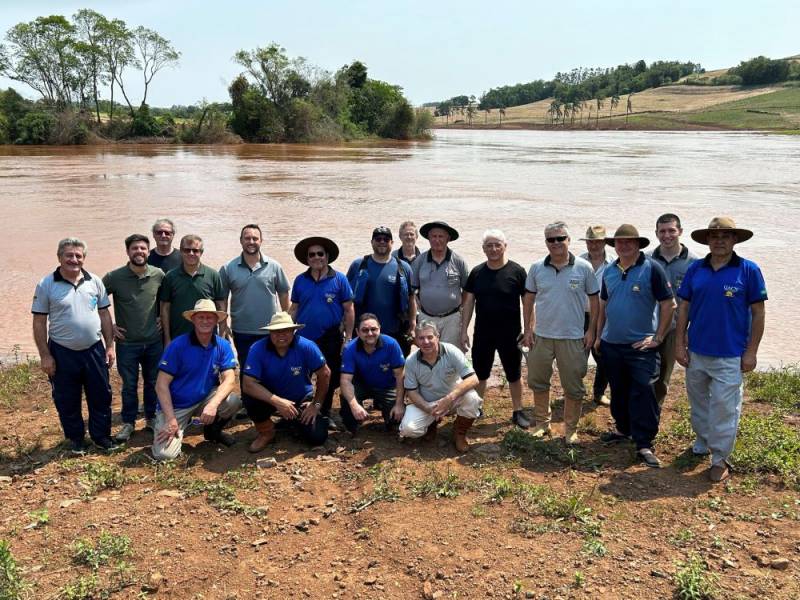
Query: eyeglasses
[(318, 254), (192, 250), (558, 238), (162, 232), (370, 329), (382, 239)]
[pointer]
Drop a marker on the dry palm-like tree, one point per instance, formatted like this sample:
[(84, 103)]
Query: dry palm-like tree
[(628, 108), (599, 102), (554, 111), (502, 112), (614, 103), (486, 110)]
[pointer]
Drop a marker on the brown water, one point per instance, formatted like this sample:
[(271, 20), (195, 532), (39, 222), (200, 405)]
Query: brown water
[(518, 181)]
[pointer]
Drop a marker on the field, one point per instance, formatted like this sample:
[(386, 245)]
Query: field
[(372, 518)]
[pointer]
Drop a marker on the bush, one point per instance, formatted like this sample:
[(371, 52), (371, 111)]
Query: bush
[(423, 123), (4, 129), (399, 123), (727, 80), (12, 586), (143, 123), (761, 70), (70, 128), (35, 128)]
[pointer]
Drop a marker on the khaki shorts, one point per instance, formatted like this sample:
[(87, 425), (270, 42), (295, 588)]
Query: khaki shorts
[(572, 362)]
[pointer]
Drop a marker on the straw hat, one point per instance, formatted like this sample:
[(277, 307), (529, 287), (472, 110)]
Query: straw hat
[(721, 224), (628, 232), (425, 229), (205, 306), (595, 232), (281, 321), (301, 249)]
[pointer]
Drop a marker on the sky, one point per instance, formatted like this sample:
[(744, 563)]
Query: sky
[(436, 50)]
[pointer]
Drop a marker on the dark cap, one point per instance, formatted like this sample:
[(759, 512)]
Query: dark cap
[(382, 230)]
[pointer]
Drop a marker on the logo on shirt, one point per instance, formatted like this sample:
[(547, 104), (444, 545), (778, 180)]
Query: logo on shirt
[(93, 303), (574, 283), (392, 278), (384, 367), (329, 298), (163, 363), (636, 288), (730, 290), (296, 371)]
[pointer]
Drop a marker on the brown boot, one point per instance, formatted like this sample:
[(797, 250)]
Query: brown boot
[(460, 428), (541, 414), (430, 433), (266, 433), (572, 414)]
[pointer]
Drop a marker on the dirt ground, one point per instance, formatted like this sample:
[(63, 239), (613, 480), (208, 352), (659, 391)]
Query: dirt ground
[(370, 517)]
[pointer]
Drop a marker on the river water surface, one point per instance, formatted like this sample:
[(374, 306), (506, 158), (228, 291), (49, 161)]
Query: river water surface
[(516, 180)]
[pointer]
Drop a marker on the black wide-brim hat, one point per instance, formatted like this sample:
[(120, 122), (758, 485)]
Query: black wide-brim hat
[(301, 249), (425, 229)]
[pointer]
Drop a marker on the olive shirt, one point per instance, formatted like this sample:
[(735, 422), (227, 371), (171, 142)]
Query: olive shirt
[(135, 299), (182, 291)]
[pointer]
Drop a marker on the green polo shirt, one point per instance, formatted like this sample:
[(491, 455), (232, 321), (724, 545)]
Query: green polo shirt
[(135, 299), (182, 291)]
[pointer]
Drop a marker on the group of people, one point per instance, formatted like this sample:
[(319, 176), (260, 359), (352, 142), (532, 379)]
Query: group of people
[(175, 319)]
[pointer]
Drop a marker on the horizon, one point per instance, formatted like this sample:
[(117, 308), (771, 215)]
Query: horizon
[(445, 50)]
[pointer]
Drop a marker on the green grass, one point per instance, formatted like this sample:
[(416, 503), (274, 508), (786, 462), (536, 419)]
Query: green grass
[(777, 387), (438, 485), (693, 581), (15, 380), (765, 444), (222, 496), (83, 588), (98, 476), (108, 548), (12, 584)]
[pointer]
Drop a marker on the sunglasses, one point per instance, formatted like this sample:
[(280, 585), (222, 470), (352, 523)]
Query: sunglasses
[(382, 238), (192, 250), (553, 240), (161, 232), (318, 254)]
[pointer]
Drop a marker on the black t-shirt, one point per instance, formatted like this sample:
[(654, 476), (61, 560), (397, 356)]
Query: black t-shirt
[(497, 294), (165, 263)]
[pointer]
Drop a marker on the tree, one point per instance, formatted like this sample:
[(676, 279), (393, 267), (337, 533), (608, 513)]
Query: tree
[(599, 101), (613, 104), (471, 110), (90, 25), (116, 42), (270, 68), (486, 116), (502, 112), (356, 74), (628, 108), (761, 70), (155, 53)]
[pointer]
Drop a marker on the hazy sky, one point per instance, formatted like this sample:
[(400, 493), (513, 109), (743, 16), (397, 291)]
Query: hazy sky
[(436, 50)]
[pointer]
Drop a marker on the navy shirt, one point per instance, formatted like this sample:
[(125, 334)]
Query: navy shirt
[(320, 302), (631, 296), (287, 376), (719, 313), (381, 297), (195, 369), (373, 370)]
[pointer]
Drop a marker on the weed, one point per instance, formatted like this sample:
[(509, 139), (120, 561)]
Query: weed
[(766, 444), (778, 387), (381, 492), (16, 379), (498, 488), (222, 496), (109, 547), (12, 585), (99, 476), (682, 538), (594, 546), (588, 424), (542, 500), (680, 428), (40, 518), (243, 478), (478, 511), (529, 528), (579, 579), (693, 581), (438, 485)]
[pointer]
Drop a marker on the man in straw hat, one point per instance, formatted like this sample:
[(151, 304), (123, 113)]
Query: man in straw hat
[(323, 301), (599, 256), (723, 309), (630, 333), (439, 276), (277, 378), (196, 378)]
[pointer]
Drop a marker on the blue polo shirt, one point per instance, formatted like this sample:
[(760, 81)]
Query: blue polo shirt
[(719, 313), (287, 376), (373, 370), (195, 369), (320, 302), (381, 296), (631, 296)]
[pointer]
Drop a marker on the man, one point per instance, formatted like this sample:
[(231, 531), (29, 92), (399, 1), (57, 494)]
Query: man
[(254, 282), (277, 378), (134, 289), (184, 286), (196, 379), (164, 256), (438, 276), (723, 308), (675, 258), (493, 290), (407, 233), (381, 285), (558, 287), (599, 256), (323, 301), (73, 333), (438, 382), (372, 367), (630, 332)]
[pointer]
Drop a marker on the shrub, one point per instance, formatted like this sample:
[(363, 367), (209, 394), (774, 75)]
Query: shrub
[(35, 128), (761, 70), (778, 387), (693, 582), (12, 586)]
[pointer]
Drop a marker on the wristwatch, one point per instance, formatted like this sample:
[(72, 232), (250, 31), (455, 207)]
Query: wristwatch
[(657, 340), (317, 405)]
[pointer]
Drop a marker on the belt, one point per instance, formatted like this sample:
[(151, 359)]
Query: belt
[(447, 314)]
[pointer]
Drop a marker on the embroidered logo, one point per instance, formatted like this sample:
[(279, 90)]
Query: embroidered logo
[(384, 367), (636, 288), (296, 371), (573, 283), (730, 290), (329, 298)]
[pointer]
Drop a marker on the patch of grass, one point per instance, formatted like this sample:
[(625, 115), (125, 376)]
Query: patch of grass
[(438, 485), (693, 581), (529, 528), (594, 547), (680, 427), (497, 488), (108, 548), (765, 444), (382, 491), (243, 478), (39, 518), (543, 500), (222, 496), (98, 476), (12, 584), (176, 474), (682, 538), (588, 424), (778, 387), (579, 579), (16, 378), (83, 588)]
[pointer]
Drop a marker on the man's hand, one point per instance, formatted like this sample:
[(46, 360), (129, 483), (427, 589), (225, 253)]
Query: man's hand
[(398, 410), (285, 408), (309, 414), (681, 355), (749, 361), (588, 340), (527, 340), (597, 346), (225, 331), (110, 356), (465, 341), (209, 414), (119, 332), (159, 326), (442, 407), (49, 365), (647, 343), (359, 414), (170, 431)]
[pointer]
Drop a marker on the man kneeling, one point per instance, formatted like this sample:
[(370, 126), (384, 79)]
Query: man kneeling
[(196, 377), (438, 382), (277, 377), (372, 367)]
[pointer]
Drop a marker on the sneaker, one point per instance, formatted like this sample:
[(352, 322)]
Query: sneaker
[(613, 437), (106, 444), (648, 457), (150, 424), (125, 432), (519, 419), (77, 447), (602, 400), (719, 472)]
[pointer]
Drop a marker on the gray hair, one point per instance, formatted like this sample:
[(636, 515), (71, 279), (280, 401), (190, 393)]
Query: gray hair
[(71, 241), (494, 233), (557, 225), (405, 224), (161, 222), (423, 325)]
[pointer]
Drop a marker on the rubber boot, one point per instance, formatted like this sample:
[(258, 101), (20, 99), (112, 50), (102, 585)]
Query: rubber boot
[(460, 428), (430, 433), (541, 414), (572, 414), (215, 432), (266, 433)]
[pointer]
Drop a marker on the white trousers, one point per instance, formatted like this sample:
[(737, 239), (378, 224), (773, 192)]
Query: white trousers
[(416, 421)]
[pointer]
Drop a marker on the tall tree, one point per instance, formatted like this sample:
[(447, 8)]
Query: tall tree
[(502, 112), (155, 53), (613, 104), (599, 101), (116, 42), (90, 27)]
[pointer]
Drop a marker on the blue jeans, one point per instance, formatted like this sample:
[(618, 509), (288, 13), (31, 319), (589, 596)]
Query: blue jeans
[(129, 358), (632, 374)]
